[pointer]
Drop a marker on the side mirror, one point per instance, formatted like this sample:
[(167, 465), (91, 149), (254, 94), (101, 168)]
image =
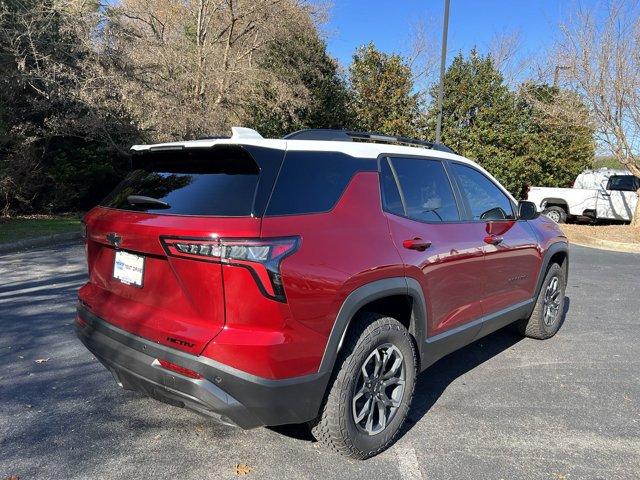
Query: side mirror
[(527, 210)]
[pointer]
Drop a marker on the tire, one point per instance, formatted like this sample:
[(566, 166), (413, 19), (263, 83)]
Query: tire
[(336, 428), (536, 326), (557, 214)]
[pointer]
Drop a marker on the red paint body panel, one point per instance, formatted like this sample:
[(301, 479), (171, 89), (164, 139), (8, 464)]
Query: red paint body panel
[(340, 251), (511, 266), (181, 299), (451, 271)]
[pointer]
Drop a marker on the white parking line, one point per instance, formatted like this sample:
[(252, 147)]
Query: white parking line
[(408, 463)]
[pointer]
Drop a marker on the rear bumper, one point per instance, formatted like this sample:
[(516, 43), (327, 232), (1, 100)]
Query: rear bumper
[(224, 393)]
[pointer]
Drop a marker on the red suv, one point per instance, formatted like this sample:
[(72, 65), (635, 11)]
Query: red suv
[(310, 278)]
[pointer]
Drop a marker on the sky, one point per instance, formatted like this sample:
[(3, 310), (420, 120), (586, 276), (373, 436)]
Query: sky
[(471, 23)]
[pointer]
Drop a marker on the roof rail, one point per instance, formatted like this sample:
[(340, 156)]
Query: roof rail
[(328, 134)]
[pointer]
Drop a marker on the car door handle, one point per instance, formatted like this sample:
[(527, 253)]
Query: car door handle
[(416, 244), (493, 239)]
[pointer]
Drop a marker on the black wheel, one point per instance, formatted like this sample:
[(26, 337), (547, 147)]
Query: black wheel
[(546, 318), (371, 390), (557, 214)]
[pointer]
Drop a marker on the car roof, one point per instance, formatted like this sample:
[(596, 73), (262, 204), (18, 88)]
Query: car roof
[(358, 149), (363, 149)]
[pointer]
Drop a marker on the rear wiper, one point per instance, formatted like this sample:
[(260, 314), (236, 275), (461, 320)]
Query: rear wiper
[(142, 200)]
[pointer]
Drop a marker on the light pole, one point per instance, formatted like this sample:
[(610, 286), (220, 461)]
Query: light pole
[(443, 61)]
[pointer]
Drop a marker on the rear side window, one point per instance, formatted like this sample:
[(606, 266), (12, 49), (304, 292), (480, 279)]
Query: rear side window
[(419, 189), (313, 182), (219, 181), (485, 200), (390, 194), (625, 183)]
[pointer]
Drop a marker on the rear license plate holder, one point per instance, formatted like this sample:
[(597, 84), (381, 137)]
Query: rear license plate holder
[(128, 268)]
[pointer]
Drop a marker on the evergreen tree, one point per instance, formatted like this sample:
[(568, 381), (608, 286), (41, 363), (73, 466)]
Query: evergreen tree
[(382, 89), (515, 136), (305, 66), (559, 134)]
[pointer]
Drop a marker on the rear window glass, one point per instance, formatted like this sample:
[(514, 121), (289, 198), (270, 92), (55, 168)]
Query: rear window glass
[(213, 181), (312, 182)]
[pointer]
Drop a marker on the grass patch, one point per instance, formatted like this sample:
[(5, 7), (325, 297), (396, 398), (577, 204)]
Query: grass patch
[(15, 229)]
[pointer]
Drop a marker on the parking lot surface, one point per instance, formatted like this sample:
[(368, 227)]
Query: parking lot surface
[(501, 408)]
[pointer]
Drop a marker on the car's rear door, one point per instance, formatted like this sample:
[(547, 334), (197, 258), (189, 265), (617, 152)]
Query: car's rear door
[(438, 247), (511, 254)]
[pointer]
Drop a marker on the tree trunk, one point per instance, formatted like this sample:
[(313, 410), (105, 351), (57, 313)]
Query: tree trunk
[(634, 168), (635, 221)]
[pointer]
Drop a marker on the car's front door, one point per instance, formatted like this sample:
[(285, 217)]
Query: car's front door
[(438, 248), (511, 255), (618, 199)]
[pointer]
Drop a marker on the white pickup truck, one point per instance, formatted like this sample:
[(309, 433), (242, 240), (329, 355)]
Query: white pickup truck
[(596, 194)]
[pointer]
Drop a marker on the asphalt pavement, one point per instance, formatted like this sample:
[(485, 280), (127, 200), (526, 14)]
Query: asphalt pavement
[(501, 408)]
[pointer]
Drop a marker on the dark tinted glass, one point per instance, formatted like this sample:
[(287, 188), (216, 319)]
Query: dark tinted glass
[(215, 181), (625, 183), (312, 182), (390, 194), (425, 189), (485, 199)]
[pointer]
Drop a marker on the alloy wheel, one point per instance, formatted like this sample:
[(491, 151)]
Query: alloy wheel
[(379, 389), (551, 305)]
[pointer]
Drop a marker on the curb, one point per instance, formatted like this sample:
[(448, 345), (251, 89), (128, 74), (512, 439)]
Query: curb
[(57, 239), (587, 241)]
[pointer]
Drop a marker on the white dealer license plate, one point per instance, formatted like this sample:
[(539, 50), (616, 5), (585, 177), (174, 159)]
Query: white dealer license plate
[(128, 268)]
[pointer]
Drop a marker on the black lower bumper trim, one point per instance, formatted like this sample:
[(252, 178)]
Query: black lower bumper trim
[(226, 394)]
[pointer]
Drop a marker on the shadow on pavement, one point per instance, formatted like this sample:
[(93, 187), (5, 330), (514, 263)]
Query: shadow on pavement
[(432, 383)]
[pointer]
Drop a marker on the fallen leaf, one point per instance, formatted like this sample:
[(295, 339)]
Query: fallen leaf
[(199, 429), (42, 360), (13, 477), (242, 469)]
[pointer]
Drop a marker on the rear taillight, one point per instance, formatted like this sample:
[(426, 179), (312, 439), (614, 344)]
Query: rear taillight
[(261, 257)]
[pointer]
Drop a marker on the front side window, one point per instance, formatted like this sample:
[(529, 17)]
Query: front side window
[(419, 189), (625, 183), (485, 200)]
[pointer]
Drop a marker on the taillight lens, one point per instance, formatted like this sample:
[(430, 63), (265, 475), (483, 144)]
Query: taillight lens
[(174, 367), (261, 257)]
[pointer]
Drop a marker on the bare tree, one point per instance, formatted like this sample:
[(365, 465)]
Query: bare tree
[(54, 85), (191, 67), (422, 54), (601, 54), (505, 49)]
